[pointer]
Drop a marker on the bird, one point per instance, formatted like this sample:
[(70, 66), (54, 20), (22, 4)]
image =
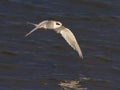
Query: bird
[(59, 28)]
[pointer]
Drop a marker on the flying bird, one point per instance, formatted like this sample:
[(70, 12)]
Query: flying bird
[(59, 28)]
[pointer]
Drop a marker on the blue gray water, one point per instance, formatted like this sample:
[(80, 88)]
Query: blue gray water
[(44, 61)]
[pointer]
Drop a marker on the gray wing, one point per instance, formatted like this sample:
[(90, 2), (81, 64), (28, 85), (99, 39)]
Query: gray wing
[(71, 40)]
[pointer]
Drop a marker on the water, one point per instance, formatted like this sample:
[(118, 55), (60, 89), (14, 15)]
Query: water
[(44, 61)]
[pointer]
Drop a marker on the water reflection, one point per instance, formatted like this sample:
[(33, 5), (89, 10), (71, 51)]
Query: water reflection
[(71, 85), (45, 61), (74, 84)]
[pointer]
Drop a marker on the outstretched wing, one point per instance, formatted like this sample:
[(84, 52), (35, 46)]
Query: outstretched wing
[(71, 40), (36, 26)]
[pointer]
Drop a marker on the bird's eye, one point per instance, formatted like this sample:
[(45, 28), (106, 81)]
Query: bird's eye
[(57, 23)]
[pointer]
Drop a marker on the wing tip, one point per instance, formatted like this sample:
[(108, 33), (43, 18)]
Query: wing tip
[(81, 56)]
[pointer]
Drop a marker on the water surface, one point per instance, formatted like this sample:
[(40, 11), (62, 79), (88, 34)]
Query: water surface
[(44, 61)]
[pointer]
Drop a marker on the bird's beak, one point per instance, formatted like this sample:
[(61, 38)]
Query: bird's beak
[(37, 27)]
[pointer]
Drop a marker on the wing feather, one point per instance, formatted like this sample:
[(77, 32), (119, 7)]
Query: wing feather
[(71, 40)]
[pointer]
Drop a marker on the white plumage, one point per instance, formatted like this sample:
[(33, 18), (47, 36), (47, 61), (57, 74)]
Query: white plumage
[(65, 32)]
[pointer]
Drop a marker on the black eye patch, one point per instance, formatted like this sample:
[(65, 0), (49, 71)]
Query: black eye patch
[(57, 23)]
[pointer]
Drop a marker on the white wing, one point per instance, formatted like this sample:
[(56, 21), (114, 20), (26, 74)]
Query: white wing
[(71, 40), (36, 26)]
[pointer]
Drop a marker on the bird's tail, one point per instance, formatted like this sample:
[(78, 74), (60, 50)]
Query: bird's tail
[(32, 24)]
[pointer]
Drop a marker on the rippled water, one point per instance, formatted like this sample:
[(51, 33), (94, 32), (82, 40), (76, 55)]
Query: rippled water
[(44, 61)]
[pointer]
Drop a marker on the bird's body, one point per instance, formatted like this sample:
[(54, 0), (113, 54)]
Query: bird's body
[(59, 28)]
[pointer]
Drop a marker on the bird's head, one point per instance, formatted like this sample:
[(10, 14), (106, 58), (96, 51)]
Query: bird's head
[(47, 24)]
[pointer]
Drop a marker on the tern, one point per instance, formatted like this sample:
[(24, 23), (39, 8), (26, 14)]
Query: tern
[(59, 28)]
